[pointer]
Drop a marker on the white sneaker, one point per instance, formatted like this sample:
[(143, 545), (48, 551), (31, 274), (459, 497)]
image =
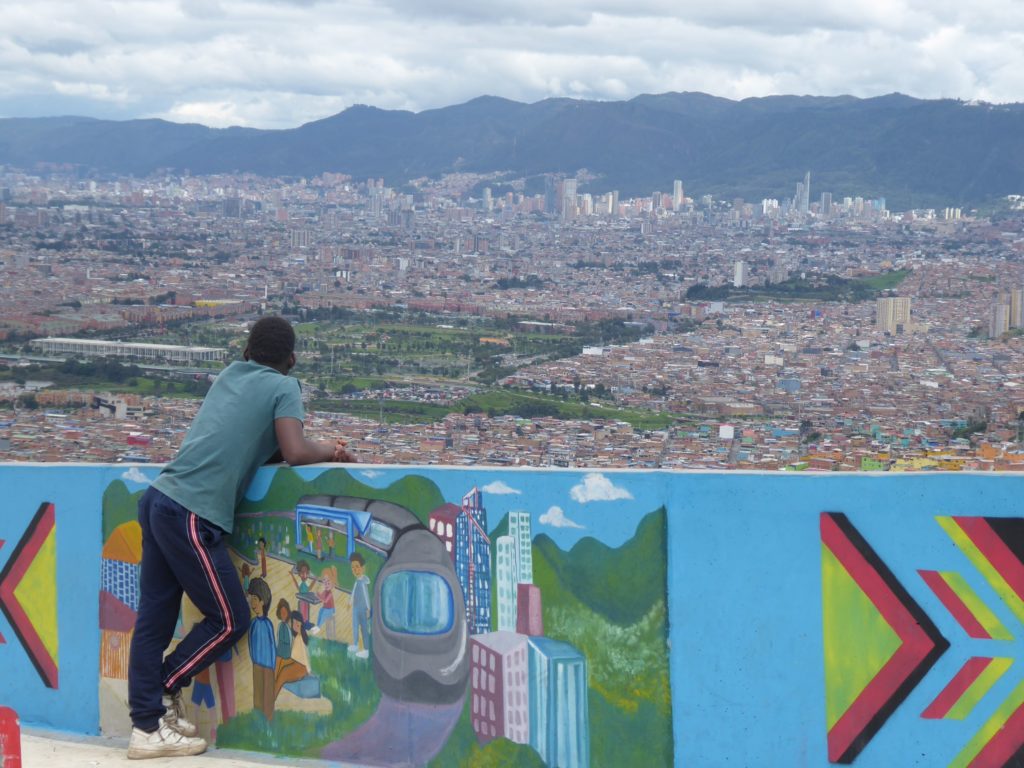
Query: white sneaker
[(363, 654), (163, 742), (175, 714), (353, 648), (314, 631)]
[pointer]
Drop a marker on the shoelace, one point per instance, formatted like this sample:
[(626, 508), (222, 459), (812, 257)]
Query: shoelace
[(176, 711)]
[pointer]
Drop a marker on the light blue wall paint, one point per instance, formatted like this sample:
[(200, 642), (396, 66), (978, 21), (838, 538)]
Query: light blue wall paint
[(746, 618), (76, 493)]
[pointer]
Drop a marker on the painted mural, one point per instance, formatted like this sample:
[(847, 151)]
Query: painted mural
[(879, 643), (415, 618), (28, 593), (468, 617)]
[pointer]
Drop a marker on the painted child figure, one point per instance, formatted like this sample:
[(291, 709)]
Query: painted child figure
[(362, 611), (325, 619), (252, 412)]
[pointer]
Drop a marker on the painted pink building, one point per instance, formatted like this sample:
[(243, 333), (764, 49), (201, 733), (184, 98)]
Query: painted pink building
[(500, 688), (442, 525), (529, 616)]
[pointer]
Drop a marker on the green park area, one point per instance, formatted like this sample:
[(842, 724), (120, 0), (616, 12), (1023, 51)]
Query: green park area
[(814, 287), (495, 402)]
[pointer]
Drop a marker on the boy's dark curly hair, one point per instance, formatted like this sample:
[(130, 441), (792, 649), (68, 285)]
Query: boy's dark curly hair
[(271, 341), (259, 589)]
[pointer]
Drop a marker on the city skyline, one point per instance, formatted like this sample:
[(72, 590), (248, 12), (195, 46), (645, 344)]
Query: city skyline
[(280, 64)]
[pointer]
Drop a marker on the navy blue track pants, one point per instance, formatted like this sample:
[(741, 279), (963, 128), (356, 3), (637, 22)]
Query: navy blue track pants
[(181, 552)]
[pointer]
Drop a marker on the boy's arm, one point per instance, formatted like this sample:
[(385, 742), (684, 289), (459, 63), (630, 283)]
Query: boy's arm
[(296, 449)]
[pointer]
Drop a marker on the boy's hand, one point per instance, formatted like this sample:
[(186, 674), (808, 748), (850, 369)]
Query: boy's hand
[(342, 454)]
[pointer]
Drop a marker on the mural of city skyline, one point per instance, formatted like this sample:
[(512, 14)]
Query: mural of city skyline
[(424, 622)]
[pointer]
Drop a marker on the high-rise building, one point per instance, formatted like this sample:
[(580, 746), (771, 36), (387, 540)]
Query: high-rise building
[(677, 195), (473, 561), (499, 680), (826, 204), (559, 717), (803, 202), (567, 206), (892, 314), (999, 322), (740, 274), (1017, 308)]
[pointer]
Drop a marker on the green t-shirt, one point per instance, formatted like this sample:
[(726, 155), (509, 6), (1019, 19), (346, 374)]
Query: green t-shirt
[(230, 438)]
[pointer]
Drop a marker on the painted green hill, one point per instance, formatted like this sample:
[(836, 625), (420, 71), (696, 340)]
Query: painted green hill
[(622, 584), (119, 506), (417, 494)]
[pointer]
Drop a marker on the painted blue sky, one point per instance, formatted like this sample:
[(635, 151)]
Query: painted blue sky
[(565, 505)]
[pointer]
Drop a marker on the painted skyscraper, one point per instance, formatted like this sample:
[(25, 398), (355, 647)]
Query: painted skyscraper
[(505, 582), (514, 566), (473, 561), (559, 717)]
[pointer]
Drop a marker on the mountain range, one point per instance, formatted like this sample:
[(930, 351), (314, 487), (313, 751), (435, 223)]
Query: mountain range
[(911, 151)]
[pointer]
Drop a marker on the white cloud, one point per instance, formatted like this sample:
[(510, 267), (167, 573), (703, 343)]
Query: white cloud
[(498, 488), (135, 475), (597, 487), (555, 517), (280, 63), (370, 474)]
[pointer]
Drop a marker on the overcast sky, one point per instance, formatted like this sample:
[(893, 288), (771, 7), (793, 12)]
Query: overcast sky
[(281, 63)]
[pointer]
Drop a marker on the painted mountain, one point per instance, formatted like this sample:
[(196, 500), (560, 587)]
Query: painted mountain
[(913, 152)]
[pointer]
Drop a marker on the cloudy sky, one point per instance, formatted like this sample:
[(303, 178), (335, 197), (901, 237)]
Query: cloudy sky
[(280, 63)]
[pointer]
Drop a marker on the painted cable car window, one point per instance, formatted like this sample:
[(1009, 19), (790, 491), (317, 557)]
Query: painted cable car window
[(417, 603), (380, 534)]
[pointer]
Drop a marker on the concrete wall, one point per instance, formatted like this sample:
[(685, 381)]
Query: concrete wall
[(812, 619)]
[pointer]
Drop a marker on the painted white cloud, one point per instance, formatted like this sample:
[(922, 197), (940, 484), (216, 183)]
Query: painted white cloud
[(499, 488), (555, 517), (135, 475), (597, 487), (370, 474), (281, 63)]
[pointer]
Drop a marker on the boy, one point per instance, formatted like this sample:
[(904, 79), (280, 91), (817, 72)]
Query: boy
[(252, 411)]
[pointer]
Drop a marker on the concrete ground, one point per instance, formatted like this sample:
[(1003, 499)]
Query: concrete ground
[(49, 749)]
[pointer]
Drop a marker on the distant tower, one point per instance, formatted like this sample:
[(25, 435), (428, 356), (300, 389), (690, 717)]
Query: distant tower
[(677, 195), (892, 314), (1017, 308), (805, 201), (999, 323), (740, 274), (568, 200), (826, 204)]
